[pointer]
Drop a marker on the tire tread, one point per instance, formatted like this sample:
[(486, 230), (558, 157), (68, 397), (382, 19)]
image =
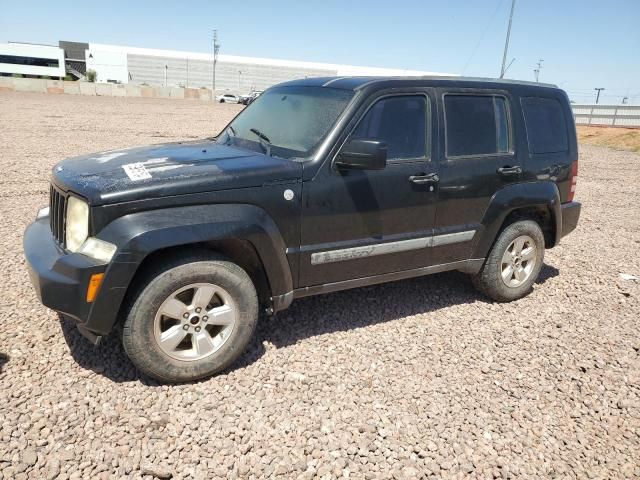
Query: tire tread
[(489, 281), (138, 352)]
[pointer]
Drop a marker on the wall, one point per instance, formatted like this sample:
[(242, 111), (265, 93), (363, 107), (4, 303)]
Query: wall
[(100, 89), (607, 115)]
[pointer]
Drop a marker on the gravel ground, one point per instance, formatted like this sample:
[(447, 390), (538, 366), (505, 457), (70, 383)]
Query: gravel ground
[(412, 379)]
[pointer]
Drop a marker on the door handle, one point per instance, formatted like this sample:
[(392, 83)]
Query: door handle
[(515, 170), (422, 179)]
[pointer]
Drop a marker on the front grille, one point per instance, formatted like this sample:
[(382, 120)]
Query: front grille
[(57, 214)]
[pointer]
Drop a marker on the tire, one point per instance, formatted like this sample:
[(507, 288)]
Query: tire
[(495, 279), (206, 345), (222, 101)]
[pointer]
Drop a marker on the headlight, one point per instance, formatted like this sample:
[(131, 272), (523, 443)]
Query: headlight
[(98, 249), (77, 223)]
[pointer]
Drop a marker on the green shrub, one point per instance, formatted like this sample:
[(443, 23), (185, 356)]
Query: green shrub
[(92, 76)]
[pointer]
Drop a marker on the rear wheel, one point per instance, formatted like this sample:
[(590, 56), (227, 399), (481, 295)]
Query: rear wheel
[(192, 320), (514, 263)]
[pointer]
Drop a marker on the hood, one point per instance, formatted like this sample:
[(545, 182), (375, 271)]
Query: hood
[(169, 169)]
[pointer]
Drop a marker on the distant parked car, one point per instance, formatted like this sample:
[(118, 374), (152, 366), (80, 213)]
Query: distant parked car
[(247, 99), (228, 98)]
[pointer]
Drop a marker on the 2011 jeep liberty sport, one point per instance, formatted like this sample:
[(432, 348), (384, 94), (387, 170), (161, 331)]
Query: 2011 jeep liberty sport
[(319, 185)]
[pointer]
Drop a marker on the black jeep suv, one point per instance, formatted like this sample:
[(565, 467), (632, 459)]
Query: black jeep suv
[(319, 185)]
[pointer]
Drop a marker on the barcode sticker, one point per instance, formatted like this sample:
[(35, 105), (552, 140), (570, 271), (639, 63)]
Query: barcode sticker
[(136, 171)]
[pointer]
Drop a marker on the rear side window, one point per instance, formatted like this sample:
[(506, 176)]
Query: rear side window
[(477, 125), (401, 122), (546, 125)]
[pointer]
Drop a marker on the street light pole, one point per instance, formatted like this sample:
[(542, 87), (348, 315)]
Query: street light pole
[(536, 71), (598, 94), (506, 43), (216, 49)]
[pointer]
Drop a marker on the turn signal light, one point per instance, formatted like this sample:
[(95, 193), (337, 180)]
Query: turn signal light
[(94, 285)]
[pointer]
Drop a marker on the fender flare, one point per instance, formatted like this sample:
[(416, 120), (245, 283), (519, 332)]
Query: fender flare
[(510, 199), (137, 235)]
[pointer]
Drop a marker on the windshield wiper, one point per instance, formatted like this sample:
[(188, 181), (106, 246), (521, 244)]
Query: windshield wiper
[(264, 140)]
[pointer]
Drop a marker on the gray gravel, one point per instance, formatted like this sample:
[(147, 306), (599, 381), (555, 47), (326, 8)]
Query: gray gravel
[(412, 379)]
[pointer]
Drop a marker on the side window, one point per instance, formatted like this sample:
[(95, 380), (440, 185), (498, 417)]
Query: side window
[(546, 125), (477, 125), (401, 122)]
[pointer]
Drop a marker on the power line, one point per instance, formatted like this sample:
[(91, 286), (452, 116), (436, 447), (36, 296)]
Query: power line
[(589, 90), (486, 29)]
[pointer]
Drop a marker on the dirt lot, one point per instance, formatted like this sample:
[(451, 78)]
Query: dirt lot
[(412, 379), (618, 138)]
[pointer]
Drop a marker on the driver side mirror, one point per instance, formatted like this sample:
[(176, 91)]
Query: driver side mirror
[(361, 154)]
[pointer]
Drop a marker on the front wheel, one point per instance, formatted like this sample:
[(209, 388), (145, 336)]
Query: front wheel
[(513, 264), (192, 320)]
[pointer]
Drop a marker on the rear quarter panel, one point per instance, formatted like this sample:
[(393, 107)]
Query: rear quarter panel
[(552, 166)]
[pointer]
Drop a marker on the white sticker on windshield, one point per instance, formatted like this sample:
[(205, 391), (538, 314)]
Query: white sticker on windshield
[(136, 171)]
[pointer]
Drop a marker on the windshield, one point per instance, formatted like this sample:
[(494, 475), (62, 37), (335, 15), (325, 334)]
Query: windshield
[(292, 120)]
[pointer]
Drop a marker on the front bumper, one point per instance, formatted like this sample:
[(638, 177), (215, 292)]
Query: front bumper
[(570, 216), (60, 278)]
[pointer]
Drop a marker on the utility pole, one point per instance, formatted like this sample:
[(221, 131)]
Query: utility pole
[(598, 95), (506, 43), (216, 49), (166, 67), (536, 71)]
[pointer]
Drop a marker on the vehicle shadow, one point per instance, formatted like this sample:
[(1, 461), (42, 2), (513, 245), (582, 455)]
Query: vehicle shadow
[(307, 317), (362, 307)]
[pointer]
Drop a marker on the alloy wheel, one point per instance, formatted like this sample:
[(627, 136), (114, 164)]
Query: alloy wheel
[(518, 261), (195, 321)]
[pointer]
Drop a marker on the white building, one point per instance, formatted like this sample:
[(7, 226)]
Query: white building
[(109, 65), (191, 69), (118, 64), (32, 59)]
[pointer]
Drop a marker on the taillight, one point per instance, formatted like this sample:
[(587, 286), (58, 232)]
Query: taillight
[(573, 180)]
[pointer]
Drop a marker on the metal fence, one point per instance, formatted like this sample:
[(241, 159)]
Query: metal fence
[(608, 115)]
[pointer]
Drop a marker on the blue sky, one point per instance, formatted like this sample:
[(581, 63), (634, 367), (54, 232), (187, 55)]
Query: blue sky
[(584, 44)]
